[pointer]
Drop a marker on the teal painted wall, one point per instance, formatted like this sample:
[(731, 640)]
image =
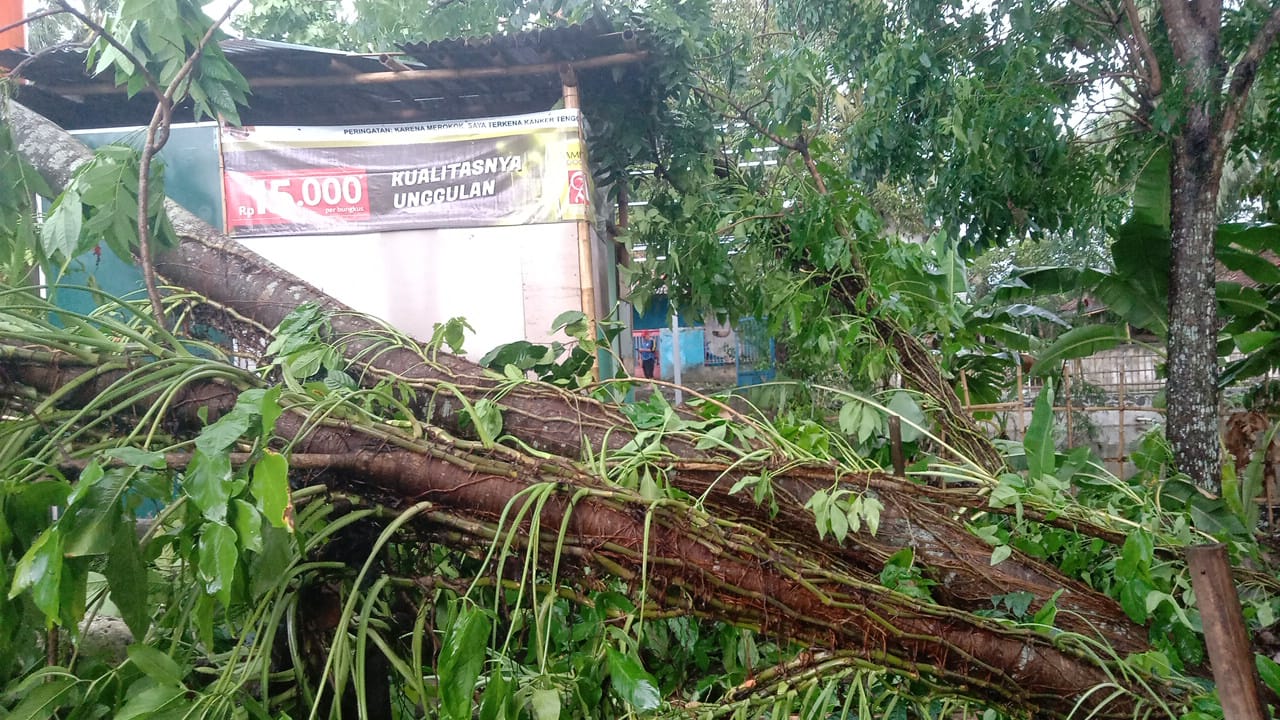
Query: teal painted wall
[(191, 176)]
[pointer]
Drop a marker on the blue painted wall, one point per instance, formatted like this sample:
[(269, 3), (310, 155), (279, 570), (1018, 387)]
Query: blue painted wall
[(692, 347)]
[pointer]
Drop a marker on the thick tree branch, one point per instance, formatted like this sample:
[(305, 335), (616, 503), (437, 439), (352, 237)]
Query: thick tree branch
[(1155, 81), (31, 17), (1246, 71)]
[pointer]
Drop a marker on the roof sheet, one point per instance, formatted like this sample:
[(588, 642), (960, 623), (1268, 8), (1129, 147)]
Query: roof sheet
[(299, 85)]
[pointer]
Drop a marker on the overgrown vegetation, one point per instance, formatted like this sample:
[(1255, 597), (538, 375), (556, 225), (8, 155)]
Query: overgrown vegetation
[(369, 527)]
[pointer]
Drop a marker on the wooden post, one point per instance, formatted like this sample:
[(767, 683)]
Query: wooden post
[(1022, 406), (586, 269), (895, 446), (1120, 461), (1224, 633), (1066, 394)]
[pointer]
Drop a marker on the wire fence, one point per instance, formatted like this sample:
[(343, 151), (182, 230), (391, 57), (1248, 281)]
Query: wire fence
[(1111, 400)]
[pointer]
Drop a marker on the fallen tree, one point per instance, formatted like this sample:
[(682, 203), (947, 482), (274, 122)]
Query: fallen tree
[(725, 556)]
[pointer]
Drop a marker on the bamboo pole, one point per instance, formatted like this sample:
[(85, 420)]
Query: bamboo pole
[(586, 269), (1224, 632), (1120, 462)]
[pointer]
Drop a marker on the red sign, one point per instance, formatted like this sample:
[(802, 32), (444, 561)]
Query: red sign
[(275, 196), (577, 187)]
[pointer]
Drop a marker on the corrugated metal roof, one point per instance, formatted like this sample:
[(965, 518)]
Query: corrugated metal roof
[(294, 84)]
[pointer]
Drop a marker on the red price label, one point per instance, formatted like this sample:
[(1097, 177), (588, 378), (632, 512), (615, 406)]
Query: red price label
[(304, 196)]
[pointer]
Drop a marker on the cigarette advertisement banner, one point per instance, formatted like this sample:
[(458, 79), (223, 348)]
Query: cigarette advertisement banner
[(516, 170)]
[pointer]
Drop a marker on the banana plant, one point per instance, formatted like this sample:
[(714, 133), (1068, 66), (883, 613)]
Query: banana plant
[(1135, 290)]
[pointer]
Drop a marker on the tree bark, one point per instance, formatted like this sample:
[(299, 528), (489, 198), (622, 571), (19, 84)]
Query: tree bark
[(707, 565), (1192, 392), (552, 420), (1195, 173)]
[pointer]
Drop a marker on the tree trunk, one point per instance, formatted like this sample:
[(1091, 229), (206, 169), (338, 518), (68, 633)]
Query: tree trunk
[(709, 566), (1192, 393), (1198, 146), (550, 419), (563, 423)]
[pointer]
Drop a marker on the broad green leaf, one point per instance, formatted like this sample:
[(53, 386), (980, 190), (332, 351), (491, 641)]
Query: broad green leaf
[(43, 700), (636, 687), (546, 704), (1249, 342), (40, 570), (461, 660), (126, 575), (901, 403), (208, 483), (219, 436), (1038, 441), (217, 557), (1151, 194), (270, 488), (1079, 342), (89, 524), (248, 525), (60, 234), (497, 701), (156, 665), (871, 508), (1269, 671), (146, 703)]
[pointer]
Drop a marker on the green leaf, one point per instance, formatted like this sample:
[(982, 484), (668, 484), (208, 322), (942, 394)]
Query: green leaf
[(146, 703), (208, 483), (902, 404), (217, 557), (1079, 342), (1151, 194), (42, 701), (1000, 554), (870, 512), (248, 525), (487, 417), (461, 660), (496, 703), (219, 436), (636, 687), (156, 665), (60, 234), (1249, 342), (1269, 671), (270, 409), (126, 575), (546, 704), (40, 570), (270, 487), (89, 524), (1038, 441), (137, 458)]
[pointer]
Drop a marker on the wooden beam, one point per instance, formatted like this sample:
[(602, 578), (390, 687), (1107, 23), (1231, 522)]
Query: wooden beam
[(376, 78), (1224, 632)]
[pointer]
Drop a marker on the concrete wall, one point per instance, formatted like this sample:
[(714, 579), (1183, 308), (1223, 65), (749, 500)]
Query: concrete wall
[(509, 283)]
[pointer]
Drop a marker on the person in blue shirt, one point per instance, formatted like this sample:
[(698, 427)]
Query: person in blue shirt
[(648, 355)]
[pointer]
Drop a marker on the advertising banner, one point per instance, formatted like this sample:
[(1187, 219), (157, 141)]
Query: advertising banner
[(516, 170)]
